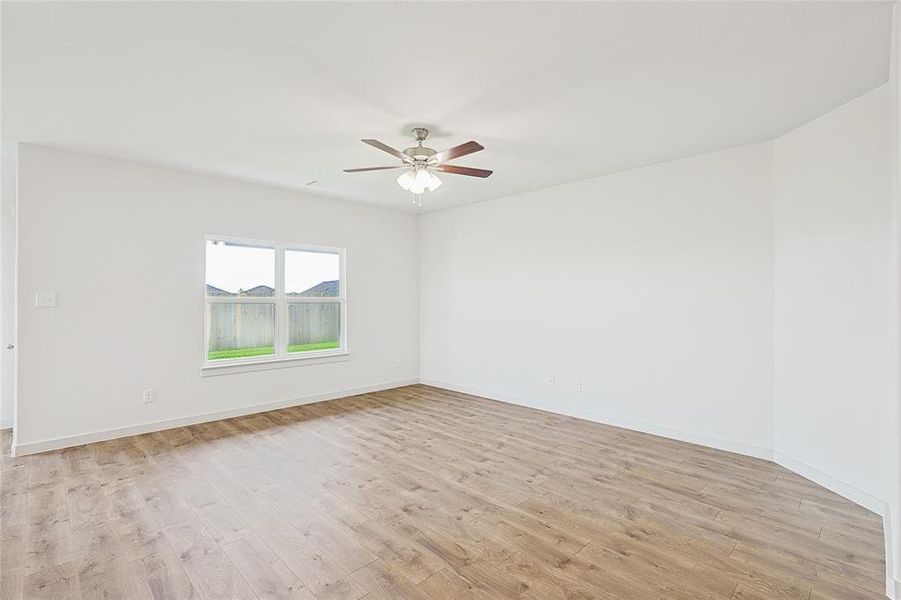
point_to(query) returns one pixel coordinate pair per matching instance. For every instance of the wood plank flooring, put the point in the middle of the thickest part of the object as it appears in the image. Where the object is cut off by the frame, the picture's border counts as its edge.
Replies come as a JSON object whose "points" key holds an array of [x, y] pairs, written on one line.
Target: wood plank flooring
{"points": [[423, 493]]}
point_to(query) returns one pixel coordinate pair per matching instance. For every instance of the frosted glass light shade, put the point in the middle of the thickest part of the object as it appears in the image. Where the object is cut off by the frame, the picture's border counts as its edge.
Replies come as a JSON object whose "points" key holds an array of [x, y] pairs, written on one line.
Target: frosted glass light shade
{"points": [[406, 180], [418, 181]]}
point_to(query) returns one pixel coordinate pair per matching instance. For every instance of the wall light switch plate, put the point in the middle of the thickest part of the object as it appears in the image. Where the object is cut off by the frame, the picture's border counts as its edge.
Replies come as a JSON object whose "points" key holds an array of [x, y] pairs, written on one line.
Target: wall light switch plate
{"points": [[45, 300]]}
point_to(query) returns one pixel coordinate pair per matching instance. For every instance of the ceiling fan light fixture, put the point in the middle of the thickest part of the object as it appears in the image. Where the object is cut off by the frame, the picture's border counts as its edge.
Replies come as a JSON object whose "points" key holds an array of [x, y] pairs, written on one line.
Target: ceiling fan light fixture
{"points": [[418, 180], [421, 181], [406, 179]]}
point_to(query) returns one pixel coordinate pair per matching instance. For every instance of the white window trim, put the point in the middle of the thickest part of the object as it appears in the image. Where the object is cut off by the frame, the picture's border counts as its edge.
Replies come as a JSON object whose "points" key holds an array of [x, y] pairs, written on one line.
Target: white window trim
{"points": [[282, 358]]}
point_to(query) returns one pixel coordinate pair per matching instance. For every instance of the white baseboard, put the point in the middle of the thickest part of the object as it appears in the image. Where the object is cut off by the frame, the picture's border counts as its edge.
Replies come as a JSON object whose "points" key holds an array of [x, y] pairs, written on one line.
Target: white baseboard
{"points": [[148, 427], [880, 507], [841, 488], [589, 415], [857, 496]]}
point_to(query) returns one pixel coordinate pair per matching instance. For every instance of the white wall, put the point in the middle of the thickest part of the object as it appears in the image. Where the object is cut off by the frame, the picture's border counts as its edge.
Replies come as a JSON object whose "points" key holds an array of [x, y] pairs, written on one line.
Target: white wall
{"points": [[895, 83], [652, 287], [7, 282], [834, 314], [122, 245]]}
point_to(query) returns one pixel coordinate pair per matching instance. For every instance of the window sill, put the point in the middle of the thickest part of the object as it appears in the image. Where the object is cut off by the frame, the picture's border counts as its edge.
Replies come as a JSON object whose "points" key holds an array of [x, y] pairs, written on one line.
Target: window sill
{"points": [[212, 369]]}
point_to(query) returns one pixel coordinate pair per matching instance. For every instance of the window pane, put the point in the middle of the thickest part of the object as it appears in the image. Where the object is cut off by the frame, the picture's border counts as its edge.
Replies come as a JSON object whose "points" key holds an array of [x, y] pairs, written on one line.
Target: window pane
{"points": [[311, 274], [236, 270], [240, 330], [314, 326]]}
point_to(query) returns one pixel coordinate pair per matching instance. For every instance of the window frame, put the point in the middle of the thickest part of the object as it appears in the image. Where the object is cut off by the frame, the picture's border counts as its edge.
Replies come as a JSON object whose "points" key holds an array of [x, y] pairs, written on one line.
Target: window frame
{"points": [[280, 300]]}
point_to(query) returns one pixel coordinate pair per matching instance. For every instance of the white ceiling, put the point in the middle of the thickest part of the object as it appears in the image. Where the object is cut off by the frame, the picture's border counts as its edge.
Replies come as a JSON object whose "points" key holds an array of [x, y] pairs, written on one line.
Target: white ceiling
{"points": [[282, 92]]}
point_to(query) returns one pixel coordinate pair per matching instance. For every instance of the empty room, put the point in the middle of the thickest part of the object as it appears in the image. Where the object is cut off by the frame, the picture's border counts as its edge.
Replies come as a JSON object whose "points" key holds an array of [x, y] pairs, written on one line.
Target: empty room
{"points": [[449, 300]]}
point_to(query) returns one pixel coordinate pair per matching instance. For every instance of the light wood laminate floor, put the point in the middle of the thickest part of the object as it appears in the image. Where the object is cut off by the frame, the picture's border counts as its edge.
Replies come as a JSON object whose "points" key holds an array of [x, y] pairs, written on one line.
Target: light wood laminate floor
{"points": [[423, 493]]}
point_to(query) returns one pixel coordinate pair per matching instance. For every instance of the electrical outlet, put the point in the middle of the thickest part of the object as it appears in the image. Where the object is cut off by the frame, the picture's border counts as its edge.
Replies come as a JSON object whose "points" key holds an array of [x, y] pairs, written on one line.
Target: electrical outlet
{"points": [[578, 386], [148, 396], [396, 363], [552, 381]]}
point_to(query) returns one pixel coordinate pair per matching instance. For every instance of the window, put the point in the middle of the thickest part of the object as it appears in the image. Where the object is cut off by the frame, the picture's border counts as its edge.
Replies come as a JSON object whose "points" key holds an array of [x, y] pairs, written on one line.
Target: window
{"points": [[273, 300]]}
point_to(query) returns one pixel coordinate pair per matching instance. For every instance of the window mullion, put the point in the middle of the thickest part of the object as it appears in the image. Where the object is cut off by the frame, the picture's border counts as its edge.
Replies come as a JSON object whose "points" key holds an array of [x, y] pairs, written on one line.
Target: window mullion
{"points": [[281, 306], [342, 298]]}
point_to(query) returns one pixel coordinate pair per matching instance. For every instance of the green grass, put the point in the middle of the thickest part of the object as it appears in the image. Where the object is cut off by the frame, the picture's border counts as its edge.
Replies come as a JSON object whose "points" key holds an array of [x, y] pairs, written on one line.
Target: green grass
{"points": [[266, 350]]}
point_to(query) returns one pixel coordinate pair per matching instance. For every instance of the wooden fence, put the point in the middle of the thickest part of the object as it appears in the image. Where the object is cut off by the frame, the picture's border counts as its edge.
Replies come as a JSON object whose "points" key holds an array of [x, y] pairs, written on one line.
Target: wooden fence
{"points": [[253, 325]]}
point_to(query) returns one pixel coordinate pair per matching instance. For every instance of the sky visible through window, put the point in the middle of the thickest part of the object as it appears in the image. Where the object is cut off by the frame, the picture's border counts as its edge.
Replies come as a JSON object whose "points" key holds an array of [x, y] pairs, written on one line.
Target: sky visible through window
{"points": [[233, 268]]}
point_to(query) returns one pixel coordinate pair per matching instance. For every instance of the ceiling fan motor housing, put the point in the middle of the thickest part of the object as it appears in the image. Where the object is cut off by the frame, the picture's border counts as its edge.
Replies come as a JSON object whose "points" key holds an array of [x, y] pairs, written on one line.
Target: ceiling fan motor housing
{"points": [[420, 152]]}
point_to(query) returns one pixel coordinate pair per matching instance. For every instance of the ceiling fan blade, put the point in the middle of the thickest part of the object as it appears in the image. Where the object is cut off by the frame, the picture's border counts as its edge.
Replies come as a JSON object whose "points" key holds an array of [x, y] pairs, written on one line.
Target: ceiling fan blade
{"points": [[388, 149], [463, 170], [375, 169], [458, 151]]}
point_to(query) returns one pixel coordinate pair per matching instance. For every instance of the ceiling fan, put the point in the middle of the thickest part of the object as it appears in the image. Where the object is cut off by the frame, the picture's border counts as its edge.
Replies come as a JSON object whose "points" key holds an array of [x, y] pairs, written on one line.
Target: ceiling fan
{"points": [[419, 162]]}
